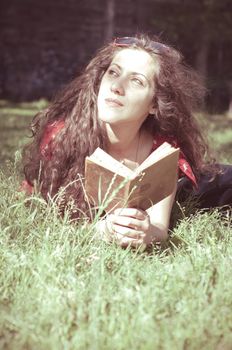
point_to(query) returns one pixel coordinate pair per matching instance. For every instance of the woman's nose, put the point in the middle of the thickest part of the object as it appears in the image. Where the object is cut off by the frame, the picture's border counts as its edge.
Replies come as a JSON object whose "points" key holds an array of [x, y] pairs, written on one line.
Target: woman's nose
{"points": [[117, 87]]}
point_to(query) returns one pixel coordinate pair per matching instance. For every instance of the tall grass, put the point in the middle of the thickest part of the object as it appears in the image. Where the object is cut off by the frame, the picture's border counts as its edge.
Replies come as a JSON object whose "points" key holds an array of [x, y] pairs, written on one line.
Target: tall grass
{"points": [[60, 288]]}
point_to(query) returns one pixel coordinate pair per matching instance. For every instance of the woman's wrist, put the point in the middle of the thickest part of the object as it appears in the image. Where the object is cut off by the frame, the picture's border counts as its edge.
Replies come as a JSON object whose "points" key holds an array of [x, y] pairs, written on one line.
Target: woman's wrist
{"points": [[157, 234]]}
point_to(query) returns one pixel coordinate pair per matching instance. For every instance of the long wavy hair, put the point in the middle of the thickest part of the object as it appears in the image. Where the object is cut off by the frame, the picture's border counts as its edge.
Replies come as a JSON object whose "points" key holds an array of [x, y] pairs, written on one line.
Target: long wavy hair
{"points": [[178, 92]]}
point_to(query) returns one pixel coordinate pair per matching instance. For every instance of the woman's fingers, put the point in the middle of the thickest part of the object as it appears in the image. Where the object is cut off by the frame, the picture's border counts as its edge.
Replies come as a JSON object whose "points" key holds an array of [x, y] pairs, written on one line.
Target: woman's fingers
{"points": [[126, 221], [131, 212], [135, 219], [127, 231], [128, 226], [124, 236], [125, 241]]}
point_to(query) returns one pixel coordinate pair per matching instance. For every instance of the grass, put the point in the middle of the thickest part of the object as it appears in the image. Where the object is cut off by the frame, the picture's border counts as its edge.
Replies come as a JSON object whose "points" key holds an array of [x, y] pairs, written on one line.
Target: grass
{"points": [[14, 122], [62, 289]]}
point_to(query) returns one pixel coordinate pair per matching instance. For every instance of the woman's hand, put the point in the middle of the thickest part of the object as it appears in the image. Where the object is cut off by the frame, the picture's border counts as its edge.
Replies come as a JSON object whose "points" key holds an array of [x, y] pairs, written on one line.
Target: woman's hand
{"points": [[130, 227], [135, 227]]}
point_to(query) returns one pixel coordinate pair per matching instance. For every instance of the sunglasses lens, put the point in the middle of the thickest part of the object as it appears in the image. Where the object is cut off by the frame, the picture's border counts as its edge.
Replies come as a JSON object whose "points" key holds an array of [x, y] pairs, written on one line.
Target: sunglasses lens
{"points": [[127, 41]]}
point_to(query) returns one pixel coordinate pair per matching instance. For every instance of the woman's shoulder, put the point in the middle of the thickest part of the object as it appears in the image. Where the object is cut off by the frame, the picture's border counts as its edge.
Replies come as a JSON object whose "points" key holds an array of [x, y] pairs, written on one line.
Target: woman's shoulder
{"points": [[159, 139], [51, 131]]}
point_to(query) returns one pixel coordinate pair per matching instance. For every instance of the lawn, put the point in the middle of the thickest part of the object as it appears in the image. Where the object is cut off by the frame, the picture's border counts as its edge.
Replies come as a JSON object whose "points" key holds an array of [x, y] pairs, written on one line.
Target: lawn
{"points": [[62, 289]]}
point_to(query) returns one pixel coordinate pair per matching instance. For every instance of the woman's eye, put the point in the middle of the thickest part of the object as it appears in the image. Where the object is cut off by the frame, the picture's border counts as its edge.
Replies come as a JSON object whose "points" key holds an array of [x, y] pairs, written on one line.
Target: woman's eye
{"points": [[138, 81], [112, 72]]}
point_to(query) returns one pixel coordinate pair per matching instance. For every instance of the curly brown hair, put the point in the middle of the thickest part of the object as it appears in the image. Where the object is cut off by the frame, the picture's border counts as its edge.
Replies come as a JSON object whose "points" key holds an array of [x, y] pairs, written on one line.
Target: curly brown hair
{"points": [[179, 91]]}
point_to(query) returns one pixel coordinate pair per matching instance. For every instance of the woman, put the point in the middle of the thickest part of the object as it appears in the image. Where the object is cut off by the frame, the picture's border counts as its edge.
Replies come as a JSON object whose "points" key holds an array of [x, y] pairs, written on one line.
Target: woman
{"points": [[134, 94]]}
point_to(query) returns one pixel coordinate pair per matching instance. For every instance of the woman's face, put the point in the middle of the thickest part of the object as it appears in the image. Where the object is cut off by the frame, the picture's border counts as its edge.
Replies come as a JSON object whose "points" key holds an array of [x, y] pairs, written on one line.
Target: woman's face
{"points": [[127, 88]]}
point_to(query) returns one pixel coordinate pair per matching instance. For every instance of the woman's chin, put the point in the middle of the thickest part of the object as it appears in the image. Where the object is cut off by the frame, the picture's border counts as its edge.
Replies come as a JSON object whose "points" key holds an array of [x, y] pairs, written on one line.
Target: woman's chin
{"points": [[110, 119]]}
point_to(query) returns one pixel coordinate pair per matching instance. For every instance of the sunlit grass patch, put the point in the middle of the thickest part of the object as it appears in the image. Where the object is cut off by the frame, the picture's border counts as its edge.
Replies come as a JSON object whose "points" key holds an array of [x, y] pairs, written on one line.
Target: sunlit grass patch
{"points": [[22, 108], [14, 126], [61, 288]]}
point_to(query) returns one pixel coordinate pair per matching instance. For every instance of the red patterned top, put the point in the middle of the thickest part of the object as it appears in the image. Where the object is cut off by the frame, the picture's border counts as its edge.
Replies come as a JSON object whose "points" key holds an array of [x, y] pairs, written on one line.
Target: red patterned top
{"points": [[45, 148], [54, 128], [50, 133]]}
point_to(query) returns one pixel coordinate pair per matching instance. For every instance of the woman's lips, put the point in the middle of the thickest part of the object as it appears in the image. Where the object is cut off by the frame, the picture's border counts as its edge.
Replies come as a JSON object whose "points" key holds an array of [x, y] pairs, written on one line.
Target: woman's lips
{"points": [[112, 102]]}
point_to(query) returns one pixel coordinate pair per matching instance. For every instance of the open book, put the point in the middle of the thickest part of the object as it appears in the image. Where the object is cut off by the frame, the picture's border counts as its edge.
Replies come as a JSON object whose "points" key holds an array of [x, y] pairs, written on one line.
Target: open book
{"points": [[112, 184]]}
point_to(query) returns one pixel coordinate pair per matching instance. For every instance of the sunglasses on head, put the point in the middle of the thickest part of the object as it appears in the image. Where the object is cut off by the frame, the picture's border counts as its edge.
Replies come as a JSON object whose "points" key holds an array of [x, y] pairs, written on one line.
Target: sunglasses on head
{"points": [[129, 40]]}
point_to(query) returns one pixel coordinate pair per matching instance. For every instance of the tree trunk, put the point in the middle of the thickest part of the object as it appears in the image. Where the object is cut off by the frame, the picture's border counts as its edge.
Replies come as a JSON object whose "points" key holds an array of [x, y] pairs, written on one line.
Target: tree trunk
{"points": [[229, 113], [110, 15], [202, 54]]}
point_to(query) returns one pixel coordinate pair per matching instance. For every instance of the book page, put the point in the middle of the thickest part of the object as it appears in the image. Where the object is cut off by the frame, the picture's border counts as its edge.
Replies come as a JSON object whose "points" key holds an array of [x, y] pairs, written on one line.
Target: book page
{"points": [[103, 159], [156, 182], [161, 152]]}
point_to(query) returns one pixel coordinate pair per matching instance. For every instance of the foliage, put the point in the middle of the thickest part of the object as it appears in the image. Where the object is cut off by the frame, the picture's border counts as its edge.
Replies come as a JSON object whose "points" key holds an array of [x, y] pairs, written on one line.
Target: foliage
{"points": [[45, 44], [202, 30]]}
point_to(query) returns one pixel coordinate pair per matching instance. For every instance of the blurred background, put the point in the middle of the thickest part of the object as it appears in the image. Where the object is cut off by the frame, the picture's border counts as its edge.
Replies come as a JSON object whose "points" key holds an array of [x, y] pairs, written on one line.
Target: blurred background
{"points": [[45, 43]]}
